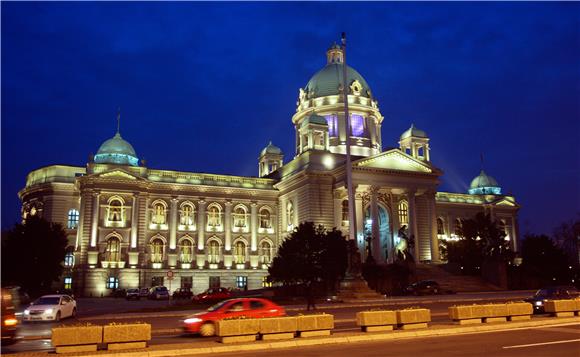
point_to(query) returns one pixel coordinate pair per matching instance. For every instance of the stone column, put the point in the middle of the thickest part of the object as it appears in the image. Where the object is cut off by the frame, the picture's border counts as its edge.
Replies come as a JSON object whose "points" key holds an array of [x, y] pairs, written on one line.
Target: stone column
{"points": [[433, 222], [284, 218], [228, 226], [337, 211], [80, 227], [201, 225], [95, 222], [413, 223], [254, 226], [310, 139], [395, 226], [134, 219], [376, 242], [173, 224], [359, 220]]}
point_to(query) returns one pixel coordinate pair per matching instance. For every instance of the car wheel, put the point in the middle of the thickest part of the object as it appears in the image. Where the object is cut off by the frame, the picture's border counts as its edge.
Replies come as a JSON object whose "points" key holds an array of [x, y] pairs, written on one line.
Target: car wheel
{"points": [[74, 312], [57, 317], [207, 329]]}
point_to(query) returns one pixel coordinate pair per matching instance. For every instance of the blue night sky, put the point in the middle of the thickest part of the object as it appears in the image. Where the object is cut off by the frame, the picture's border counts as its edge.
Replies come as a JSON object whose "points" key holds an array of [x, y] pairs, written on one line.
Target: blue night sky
{"points": [[204, 86]]}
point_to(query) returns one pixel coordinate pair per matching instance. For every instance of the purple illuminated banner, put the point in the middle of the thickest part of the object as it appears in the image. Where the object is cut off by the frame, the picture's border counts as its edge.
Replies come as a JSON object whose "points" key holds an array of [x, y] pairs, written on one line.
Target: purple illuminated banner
{"points": [[332, 121], [357, 124]]}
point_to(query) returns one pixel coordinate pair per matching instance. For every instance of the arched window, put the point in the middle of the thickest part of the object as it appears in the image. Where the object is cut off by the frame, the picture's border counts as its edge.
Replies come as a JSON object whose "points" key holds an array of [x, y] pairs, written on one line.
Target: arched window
{"points": [[266, 252], [265, 221], [187, 214], [403, 213], [214, 216], [240, 252], [157, 247], [290, 216], [440, 229], [115, 210], [240, 217], [113, 250], [69, 258], [185, 251], [458, 227], [73, 219], [344, 212], [159, 212], [213, 252]]}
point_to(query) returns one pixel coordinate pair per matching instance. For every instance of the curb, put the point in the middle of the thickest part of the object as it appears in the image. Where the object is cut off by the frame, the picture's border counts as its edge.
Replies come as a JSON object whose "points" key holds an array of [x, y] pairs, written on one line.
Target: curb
{"points": [[335, 339]]}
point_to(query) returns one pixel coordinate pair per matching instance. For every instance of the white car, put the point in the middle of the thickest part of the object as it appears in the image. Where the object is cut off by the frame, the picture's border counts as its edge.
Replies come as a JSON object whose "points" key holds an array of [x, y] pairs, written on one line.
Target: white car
{"points": [[50, 308]]}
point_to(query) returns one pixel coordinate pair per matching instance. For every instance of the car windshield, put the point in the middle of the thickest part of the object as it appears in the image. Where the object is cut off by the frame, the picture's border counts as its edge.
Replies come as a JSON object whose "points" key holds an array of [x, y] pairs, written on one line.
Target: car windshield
{"points": [[47, 301], [544, 293], [218, 306]]}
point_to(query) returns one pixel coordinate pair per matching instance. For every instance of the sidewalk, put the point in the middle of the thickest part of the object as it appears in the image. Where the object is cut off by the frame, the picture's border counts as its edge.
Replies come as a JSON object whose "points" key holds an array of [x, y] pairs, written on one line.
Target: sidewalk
{"points": [[435, 330]]}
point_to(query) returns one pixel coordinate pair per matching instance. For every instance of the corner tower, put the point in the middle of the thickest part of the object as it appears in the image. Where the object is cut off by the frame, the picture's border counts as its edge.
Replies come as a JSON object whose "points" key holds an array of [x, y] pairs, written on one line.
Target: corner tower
{"points": [[271, 159], [323, 96]]}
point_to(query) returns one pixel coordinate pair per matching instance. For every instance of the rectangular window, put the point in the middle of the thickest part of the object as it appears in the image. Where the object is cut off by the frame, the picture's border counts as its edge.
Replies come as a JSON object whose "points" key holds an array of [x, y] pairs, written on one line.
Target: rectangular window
{"points": [[332, 121], [112, 282], [214, 282], [186, 282], [266, 283], [357, 125], [68, 283], [157, 281], [241, 282]]}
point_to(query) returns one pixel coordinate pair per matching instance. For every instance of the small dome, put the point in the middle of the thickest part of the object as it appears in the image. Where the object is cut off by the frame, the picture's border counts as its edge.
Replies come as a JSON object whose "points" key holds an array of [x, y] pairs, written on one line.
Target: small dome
{"points": [[271, 149], [484, 185], [314, 119], [117, 151], [413, 132]]}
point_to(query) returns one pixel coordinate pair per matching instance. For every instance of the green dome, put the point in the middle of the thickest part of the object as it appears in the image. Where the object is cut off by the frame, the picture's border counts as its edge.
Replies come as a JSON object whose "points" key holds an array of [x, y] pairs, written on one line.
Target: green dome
{"points": [[484, 184], [271, 149], [117, 151], [329, 79], [414, 132]]}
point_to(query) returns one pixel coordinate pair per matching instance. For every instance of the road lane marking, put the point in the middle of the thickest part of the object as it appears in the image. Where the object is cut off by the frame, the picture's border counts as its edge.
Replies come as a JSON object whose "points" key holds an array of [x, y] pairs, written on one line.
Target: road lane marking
{"points": [[542, 344]]}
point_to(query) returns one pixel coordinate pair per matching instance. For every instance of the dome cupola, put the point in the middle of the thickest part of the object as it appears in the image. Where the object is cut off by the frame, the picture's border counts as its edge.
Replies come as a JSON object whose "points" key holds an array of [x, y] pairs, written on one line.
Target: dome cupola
{"points": [[117, 151], [271, 159], [484, 185], [415, 142]]}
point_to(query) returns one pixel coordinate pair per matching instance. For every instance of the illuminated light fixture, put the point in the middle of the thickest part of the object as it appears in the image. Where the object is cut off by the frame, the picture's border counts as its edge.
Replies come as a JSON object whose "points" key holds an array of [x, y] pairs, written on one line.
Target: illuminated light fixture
{"points": [[328, 161], [369, 221], [10, 321]]}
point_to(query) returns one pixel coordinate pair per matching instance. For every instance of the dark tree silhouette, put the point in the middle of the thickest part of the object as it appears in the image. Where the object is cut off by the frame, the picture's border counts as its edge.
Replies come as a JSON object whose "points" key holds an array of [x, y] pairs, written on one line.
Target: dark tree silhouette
{"points": [[567, 237], [33, 254], [543, 263], [310, 255]]}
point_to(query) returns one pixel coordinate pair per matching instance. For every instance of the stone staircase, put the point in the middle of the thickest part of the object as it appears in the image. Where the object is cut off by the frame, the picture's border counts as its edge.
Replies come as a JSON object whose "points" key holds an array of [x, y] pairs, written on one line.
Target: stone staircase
{"points": [[448, 281], [356, 290]]}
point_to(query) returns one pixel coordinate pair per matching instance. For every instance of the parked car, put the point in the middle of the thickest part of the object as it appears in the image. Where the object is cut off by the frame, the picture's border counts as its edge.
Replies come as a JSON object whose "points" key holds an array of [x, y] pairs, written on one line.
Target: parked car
{"points": [[182, 293], [203, 323], [119, 293], [50, 308], [551, 293], [9, 320], [423, 287], [213, 295], [132, 294], [144, 292], [158, 293]]}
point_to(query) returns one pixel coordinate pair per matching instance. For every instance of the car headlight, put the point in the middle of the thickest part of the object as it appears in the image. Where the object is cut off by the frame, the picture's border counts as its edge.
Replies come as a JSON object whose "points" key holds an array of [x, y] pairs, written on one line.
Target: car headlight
{"points": [[539, 303], [48, 311], [26, 312], [192, 320]]}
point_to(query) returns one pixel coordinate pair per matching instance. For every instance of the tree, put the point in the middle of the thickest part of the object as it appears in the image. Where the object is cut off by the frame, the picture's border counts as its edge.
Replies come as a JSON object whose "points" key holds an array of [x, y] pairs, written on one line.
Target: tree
{"points": [[310, 255], [567, 237], [481, 239], [543, 262], [32, 255]]}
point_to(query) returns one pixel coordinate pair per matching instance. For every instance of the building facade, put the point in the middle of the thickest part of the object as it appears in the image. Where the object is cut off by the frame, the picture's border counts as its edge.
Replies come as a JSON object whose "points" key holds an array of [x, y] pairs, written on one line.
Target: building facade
{"points": [[129, 225]]}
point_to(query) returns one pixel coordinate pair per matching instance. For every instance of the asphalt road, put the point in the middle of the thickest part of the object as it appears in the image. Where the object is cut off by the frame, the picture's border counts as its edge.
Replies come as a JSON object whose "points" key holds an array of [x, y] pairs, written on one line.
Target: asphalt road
{"points": [[561, 341], [167, 325]]}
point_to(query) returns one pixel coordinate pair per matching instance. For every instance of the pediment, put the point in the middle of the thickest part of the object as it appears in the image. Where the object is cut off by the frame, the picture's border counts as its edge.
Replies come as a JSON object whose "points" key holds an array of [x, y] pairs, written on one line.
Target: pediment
{"points": [[505, 202], [118, 174], [394, 160]]}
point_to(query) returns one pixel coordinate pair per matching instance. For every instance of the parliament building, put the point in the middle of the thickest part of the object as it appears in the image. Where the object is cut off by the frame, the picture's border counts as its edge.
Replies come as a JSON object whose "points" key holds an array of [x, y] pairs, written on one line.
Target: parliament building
{"points": [[129, 225]]}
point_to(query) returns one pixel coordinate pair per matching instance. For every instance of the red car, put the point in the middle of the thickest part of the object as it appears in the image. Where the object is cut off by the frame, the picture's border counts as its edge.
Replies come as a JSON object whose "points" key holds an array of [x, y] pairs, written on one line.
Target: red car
{"points": [[213, 295], [204, 322]]}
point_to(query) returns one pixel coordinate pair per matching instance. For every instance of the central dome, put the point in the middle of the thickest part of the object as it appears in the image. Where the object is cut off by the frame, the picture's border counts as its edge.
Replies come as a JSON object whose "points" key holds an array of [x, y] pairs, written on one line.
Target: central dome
{"points": [[329, 80], [117, 151]]}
